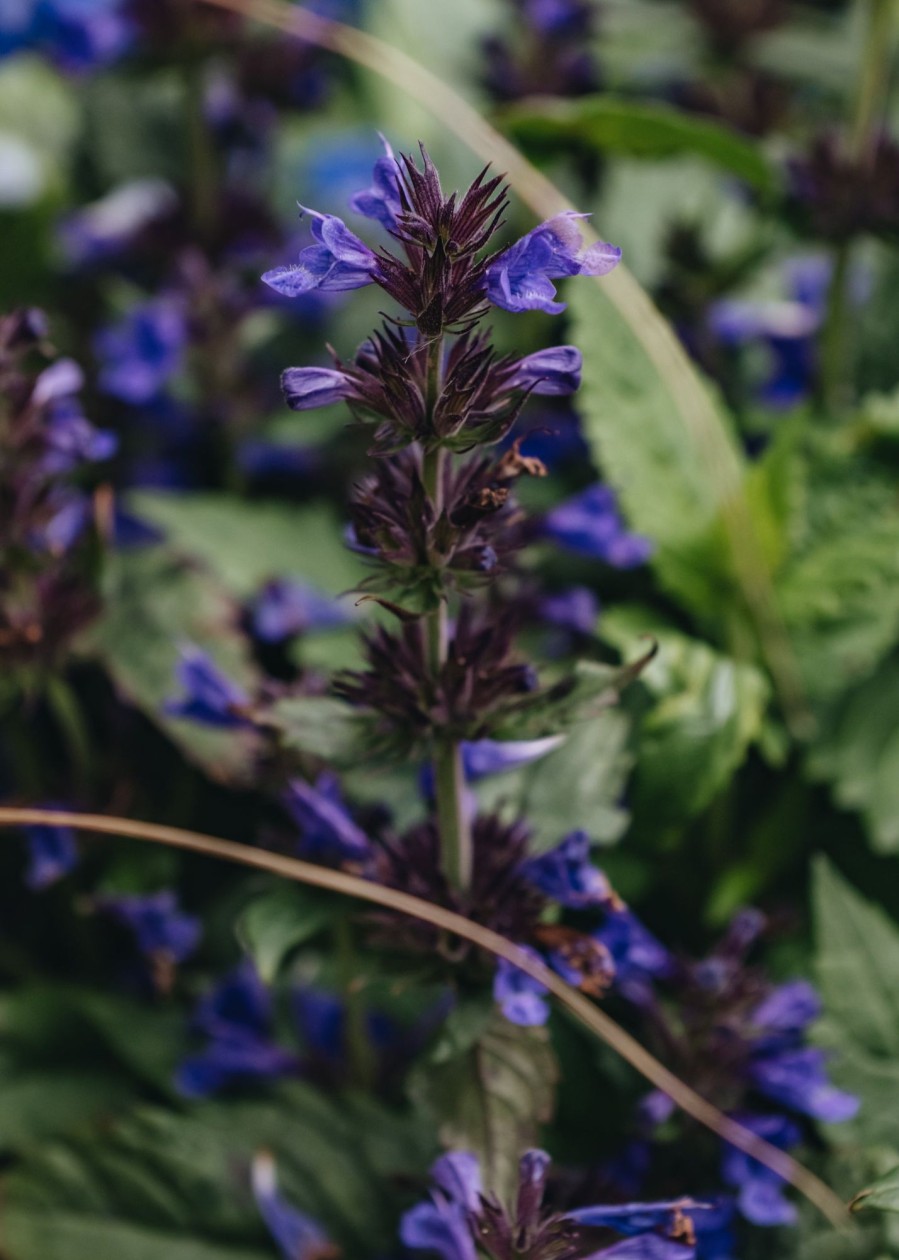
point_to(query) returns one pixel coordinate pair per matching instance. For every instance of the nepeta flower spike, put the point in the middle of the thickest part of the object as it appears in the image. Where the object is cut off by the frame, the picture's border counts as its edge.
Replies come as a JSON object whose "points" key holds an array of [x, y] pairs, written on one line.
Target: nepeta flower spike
{"points": [[432, 386]]}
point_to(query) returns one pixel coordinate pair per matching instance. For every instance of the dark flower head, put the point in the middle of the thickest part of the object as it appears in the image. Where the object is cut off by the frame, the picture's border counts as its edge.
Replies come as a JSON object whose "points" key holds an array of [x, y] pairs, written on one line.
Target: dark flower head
{"points": [[729, 24], [460, 1221], [836, 197], [481, 681], [423, 553]]}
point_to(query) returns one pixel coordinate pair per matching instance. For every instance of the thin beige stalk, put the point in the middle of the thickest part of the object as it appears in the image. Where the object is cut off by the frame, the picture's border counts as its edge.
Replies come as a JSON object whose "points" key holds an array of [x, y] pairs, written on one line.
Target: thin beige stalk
{"points": [[585, 1011]]}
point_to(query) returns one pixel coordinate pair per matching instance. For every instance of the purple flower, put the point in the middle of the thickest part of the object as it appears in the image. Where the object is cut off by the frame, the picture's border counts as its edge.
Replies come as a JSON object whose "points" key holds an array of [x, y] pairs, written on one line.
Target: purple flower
{"points": [[52, 853], [760, 1197], [639, 958], [278, 465], [140, 353], [160, 928], [797, 1079], [441, 1224], [339, 261], [76, 34], [589, 525], [237, 1020], [209, 696], [298, 1236], [631, 1218], [788, 1009], [57, 382], [307, 388], [567, 875], [575, 610], [555, 371], [329, 832], [73, 440], [556, 18], [484, 757], [521, 999], [284, 608], [520, 279], [105, 228], [459, 1222], [382, 200], [69, 516]]}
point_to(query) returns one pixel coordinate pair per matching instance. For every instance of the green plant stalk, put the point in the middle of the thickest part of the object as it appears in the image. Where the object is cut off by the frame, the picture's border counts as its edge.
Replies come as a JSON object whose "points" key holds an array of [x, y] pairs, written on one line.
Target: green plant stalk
{"points": [[203, 177], [868, 110], [358, 1045], [449, 775], [595, 1020]]}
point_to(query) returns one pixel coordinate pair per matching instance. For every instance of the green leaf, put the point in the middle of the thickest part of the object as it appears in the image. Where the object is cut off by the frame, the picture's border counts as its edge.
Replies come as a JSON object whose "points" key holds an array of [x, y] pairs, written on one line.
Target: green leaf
{"points": [[492, 1099], [322, 727], [245, 543], [273, 925], [883, 1195], [639, 129], [44, 1103], [154, 603], [577, 786], [839, 589], [159, 1184], [586, 691], [707, 711], [857, 965], [656, 465], [858, 754], [857, 962]]}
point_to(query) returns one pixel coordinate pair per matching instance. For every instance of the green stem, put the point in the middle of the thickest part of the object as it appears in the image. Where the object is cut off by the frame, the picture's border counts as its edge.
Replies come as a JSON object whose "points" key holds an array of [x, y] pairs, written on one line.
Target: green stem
{"points": [[835, 351], [358, 1046], [449, 776], [202, 176], [861, 147]]}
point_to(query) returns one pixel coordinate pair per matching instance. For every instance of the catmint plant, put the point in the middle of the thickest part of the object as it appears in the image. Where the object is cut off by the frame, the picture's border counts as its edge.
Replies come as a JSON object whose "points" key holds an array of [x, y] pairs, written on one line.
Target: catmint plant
{"points": [[436, 517]]}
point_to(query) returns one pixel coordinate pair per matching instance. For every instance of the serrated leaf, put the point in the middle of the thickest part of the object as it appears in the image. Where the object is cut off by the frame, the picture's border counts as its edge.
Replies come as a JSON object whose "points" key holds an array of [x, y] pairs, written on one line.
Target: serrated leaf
{"points": [[587, 690], [492, 1099], [154, 603], [706, 712], [857, 962], [322, 727], [654, 463], [40, 1104], [882, 1196], [273, 925], [639, 129], [579, 786], [160, 1184], [858, 755], [245, 543]]}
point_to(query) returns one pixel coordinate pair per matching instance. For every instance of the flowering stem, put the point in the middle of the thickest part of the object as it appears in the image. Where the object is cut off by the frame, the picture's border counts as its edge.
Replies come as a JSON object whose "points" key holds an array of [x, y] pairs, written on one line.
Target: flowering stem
{"points": [[449, 775]]}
